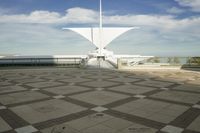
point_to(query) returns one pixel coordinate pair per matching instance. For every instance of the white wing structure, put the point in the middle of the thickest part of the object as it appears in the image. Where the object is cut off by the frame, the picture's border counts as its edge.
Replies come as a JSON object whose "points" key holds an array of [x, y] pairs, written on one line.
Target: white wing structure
{"points": [[101, 36], [106, 37]]}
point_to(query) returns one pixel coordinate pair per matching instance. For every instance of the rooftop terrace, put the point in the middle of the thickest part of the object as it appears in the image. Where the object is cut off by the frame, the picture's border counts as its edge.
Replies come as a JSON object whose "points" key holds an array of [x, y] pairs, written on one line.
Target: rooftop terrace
{"points": [[73, 100]]}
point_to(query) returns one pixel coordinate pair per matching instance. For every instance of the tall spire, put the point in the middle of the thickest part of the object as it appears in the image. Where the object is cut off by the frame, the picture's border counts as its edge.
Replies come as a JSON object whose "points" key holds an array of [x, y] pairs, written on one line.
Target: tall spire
{"points": [[100, 15], [100, 26]]}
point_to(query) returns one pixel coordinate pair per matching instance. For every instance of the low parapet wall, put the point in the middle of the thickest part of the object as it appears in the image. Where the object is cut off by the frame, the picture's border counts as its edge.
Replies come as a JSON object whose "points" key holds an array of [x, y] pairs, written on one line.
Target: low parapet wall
{"points": [[72, 62], [161, 63]]}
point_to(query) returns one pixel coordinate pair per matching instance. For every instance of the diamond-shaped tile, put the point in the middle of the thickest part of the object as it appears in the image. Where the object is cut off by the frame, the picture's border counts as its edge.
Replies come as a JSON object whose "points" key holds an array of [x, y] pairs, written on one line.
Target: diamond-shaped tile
{"points": [[139, 96], [194, 126], [154, 83], [62, 90], [178, 96], [46, 110], [132, 89], [99, 109], [21, 97], [196, 106], [172, 129], [99, 89], [36, 89], [99, 97], [13, 88], [3, 107], [26, 129], [59, 97]]}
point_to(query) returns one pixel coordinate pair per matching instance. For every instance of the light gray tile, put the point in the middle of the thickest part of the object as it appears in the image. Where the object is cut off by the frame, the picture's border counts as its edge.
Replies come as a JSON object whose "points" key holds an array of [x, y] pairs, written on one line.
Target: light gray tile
{"points": [[62, 128], [178, 96], [137, 128], [11, 89], [99, 109], [99, 89], [5, 83], [99, 97], [89, 121], [161, 118], [155, 83], [21, 97], [172, 129], [117, 123], [35, 89], [99, 129], [195, 125], [46, 110], [26, 129], [188, 87], [196, 106], [62, 90], [139, 96], [58, 96], [154, 110], [28, 80], [44, 84], [3, 107], [132, 89]]}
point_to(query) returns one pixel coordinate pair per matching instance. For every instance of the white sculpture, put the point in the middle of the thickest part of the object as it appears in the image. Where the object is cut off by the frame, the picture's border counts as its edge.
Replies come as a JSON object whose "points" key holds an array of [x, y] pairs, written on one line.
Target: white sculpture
{"points": [[101, 36]]}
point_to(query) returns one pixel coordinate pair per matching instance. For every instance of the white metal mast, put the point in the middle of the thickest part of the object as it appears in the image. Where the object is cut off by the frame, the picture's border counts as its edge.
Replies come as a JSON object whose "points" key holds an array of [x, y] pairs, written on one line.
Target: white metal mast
{"points": [[100, 26]]}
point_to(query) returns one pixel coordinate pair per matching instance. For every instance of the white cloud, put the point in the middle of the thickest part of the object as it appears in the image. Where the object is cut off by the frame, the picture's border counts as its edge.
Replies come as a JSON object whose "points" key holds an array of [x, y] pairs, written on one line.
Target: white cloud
{"points": [[175, 10], [73, 15], [193, 4], [86, 16], [80, 15]]}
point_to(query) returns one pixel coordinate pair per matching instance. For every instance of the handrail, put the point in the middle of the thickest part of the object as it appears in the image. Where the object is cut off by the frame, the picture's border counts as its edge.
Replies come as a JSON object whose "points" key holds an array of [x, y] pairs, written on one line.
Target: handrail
{"points": [[76, 61]]}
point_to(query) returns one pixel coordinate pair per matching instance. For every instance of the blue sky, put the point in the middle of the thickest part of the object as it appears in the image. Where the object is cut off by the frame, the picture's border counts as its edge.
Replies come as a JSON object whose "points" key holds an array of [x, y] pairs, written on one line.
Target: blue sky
{"points": [[32, 27]]}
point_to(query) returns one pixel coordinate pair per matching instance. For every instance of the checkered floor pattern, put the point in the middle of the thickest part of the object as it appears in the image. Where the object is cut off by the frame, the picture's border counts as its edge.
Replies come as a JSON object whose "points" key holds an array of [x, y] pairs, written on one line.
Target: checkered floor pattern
{"points": [[71, 100]]}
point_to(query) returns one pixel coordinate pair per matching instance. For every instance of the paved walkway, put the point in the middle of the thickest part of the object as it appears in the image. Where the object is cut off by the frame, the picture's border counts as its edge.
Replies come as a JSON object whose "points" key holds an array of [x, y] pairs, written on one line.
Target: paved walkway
{"points": [[64, 100]]}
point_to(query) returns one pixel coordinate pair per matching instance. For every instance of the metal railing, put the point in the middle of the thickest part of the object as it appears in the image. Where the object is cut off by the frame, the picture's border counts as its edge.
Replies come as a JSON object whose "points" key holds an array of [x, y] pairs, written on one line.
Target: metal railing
{"points": [[161, 61], [75, 62]]}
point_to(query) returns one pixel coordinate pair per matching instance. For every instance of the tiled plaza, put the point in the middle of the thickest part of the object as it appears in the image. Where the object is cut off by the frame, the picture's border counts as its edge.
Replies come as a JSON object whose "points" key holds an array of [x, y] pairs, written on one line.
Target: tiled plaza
{"points": [[72, 100]]}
